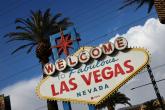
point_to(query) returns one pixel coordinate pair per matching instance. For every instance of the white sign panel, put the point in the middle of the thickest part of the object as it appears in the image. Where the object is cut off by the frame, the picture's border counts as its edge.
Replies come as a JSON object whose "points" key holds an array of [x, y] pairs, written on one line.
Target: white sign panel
{"points": [[94, 81]]}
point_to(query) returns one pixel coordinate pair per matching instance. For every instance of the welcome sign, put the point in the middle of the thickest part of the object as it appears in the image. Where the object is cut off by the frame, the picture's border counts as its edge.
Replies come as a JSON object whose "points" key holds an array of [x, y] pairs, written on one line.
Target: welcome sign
{"points": [[92, 73]]}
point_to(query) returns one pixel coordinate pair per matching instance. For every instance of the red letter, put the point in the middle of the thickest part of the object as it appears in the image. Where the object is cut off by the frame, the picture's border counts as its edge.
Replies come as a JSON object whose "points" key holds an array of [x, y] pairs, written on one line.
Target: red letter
{"points": [[108, 48], [131, 68], [118, 70], [107, 74], [71, 62], [54, 93], [97, 76], [60, 64], [63, 87], [49, 68], [87, 81], [83, 56], [95, 52], [74, 85], [120, 43]]}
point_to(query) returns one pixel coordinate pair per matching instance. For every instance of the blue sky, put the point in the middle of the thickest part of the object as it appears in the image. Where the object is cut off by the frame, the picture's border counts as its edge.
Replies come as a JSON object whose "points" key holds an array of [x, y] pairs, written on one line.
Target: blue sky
{"points": [[92, 19]]}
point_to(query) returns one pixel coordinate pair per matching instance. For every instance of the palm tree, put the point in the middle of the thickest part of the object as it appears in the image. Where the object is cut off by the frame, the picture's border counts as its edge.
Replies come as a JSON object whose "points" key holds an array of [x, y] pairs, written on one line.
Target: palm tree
{"points": [[36, 31], [116, 98], [159, 4], [152, 105], [140, 3]]}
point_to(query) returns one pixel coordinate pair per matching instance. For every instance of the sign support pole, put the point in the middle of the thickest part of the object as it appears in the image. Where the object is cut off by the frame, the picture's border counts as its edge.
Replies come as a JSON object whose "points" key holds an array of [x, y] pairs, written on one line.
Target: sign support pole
{"points": [[155, 87], [91, 107], [66, 106]]}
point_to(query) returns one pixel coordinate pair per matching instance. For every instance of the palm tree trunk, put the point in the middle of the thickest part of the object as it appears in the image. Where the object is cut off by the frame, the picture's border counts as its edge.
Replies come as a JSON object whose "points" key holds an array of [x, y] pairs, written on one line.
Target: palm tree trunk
{"points": [[110, 107], [43, 53], [51, 105]]}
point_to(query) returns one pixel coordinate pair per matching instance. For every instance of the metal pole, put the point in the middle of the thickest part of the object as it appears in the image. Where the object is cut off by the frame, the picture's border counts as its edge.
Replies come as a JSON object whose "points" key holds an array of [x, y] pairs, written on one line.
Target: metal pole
{"points": [[91, 107], [155, 87], [66, 106]]}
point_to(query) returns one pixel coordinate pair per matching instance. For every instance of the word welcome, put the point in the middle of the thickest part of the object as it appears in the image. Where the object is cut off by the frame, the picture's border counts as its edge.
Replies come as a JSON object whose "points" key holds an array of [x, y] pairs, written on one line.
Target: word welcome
{"points": [[84, 56]]}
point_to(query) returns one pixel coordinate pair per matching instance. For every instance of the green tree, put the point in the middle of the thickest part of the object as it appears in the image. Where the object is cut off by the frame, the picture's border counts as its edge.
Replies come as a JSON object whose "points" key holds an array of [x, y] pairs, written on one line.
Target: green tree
{"points": [[139, 3], [36, 30], [113, 100], [152, 105]]}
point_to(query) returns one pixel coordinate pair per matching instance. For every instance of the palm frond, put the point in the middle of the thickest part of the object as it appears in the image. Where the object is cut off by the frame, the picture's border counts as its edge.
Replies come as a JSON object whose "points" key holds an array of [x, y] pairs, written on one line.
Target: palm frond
{"points": [[21, 28], [19, 38], [15, 34], [46, 16], [64, 23], [150, 5], [22, 47], [37, 28], [24, 22], [54, 18], [127, 3], [30, 48], [116, 98], [141, 4]]}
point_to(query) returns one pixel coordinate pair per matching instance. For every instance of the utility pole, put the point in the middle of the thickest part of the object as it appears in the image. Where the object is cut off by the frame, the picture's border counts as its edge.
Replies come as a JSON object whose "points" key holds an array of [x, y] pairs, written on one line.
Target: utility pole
{"points": [[155, 87]]}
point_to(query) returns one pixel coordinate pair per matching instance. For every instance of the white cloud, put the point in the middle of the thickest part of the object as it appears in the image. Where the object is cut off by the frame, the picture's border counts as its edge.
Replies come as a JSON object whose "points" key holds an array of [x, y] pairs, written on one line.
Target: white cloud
{"points": [[151, 36], [22, 95]]}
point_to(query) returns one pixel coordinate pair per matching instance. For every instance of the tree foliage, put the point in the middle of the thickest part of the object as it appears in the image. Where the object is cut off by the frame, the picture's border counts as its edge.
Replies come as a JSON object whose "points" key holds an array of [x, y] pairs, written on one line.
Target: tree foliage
{"points": [[37, 28], [139, 3]]}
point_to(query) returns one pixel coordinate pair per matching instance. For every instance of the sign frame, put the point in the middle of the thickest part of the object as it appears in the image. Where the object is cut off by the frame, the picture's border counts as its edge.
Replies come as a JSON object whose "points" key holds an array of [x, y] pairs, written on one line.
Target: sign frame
{"points": [[108, 94]]}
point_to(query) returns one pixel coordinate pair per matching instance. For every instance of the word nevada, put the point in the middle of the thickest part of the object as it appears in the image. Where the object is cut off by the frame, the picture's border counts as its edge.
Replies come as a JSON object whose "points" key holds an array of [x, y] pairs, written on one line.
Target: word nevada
{"points": [[84, 56]]}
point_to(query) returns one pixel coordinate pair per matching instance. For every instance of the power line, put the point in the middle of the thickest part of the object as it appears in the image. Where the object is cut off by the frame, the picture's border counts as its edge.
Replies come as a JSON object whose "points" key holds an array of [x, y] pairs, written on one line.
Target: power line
{"points": [[105, 15], [145, 84], [19, 72], [96, 11], [86, 11], [6, 58], [156, 67], [94, 18], [105, 35], [8, 4], [12, 23], [97, 38], [6, 25], [119, 28], [13, 8], [153, 68], [104, 19], [88, 23], [76, 16]]}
